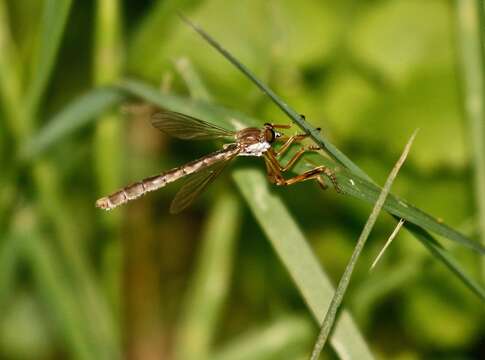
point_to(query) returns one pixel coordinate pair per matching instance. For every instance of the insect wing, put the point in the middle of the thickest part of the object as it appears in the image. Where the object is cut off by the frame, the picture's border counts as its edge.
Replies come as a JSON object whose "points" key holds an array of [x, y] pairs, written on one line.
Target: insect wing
{"points": [[187, 127], [195, 185]]}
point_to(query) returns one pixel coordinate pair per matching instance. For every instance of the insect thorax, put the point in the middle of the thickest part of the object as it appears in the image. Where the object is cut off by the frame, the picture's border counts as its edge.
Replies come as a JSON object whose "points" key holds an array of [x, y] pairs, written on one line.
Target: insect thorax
{"points": [[256, 149]]}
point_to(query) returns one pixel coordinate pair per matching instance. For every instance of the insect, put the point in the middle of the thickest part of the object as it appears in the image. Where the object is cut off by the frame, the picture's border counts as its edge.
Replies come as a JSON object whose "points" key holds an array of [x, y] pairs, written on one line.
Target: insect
{"points": [[246, 142]]}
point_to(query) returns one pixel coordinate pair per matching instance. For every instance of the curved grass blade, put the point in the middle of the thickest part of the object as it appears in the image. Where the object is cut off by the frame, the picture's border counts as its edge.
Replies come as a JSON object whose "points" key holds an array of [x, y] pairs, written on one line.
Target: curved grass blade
{"points": [[78, 113], [331, 314], [367, 191], [217, 115]]}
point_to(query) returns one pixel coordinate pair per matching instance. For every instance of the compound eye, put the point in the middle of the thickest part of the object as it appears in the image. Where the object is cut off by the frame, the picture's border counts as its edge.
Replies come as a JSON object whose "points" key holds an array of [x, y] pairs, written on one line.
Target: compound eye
{"points": [[269, 135]]}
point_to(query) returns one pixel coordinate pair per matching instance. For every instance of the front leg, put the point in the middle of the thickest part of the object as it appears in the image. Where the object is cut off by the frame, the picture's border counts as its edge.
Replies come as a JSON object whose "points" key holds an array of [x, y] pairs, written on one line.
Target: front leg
{"points": [[289, 141], [292, 139], [273, 155]]}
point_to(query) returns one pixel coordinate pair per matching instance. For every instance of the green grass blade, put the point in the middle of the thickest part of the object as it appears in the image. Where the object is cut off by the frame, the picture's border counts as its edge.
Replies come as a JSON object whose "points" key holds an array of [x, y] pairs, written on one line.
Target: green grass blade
{"points": [[53, 23], [293, 250], [209, 287], [367, 191], [10, 77], [231, 119], [107, 69], [329, 320], [75, 115], [471, 35], [280, 340]]}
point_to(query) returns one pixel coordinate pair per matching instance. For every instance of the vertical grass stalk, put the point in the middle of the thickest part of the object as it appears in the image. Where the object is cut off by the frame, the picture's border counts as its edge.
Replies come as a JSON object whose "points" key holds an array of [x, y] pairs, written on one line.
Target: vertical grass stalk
{"points": [[329, 320], [209, 287], [108, 59], [471, 37]]}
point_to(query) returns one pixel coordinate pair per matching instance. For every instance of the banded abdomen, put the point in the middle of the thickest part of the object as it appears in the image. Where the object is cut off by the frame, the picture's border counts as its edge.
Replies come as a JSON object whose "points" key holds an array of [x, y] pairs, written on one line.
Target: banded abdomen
{"points": [[156, 182]]}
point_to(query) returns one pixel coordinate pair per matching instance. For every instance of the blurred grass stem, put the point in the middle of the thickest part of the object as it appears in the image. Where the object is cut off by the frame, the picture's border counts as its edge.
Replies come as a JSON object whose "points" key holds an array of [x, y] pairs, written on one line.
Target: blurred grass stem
{"points": [[208, 290], [108, 159], [471, 37]]}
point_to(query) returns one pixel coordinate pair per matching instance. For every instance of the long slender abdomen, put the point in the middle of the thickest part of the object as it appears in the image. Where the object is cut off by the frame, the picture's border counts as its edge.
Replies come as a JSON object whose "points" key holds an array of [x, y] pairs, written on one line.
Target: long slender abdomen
{"points": [[152, 183]]}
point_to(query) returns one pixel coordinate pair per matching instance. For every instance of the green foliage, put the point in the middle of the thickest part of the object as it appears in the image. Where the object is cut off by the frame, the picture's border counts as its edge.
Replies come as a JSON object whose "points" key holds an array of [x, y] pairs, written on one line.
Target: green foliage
{"points": [[74, 281]]}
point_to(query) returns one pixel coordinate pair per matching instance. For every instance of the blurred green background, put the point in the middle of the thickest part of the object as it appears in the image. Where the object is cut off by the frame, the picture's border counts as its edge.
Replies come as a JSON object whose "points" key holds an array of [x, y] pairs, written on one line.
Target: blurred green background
{"points": [[139, 283]]}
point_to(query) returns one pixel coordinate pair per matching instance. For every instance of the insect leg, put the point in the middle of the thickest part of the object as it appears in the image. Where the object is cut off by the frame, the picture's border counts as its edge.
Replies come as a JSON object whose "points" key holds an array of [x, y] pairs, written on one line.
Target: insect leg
{"points": [[275, 176], [315, 174], [273, 156], [297, 156], [279, 126], [288, 142]]}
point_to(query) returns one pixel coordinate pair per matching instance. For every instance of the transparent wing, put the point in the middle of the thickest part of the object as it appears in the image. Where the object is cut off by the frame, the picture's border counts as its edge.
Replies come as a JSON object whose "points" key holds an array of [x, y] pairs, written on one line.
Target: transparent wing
{"points": [[187, 127], [195, 185]]}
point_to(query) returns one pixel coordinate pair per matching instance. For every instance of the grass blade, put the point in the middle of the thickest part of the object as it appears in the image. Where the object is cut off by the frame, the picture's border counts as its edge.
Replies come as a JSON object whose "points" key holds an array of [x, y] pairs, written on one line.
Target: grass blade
{"points": [[292, 248], [107, 69], [54, 20], [345, 279], [210, 285], [388, 242], [471, 36], [108, 60], [74, 116]]}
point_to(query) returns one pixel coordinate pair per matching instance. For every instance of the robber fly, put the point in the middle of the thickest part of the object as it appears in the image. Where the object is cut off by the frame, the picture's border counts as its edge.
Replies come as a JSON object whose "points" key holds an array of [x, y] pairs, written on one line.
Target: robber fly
{"points": [[246, 142]]}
